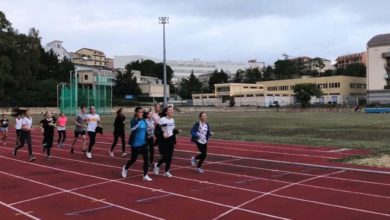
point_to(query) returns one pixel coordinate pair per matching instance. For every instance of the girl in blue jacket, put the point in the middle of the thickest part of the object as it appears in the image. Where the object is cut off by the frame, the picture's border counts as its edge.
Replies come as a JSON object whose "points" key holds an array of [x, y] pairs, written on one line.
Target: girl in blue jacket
{"points": [[137, 142], [200, 134]]}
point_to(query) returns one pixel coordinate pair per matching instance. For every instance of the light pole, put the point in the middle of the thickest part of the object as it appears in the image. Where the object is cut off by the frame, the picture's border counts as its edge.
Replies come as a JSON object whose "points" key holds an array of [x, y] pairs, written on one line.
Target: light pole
{"points": [[163, 21]]}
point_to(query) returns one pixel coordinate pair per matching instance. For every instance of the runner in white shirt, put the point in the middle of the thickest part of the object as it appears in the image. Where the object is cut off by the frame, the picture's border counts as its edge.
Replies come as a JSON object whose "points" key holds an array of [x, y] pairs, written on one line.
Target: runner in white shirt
{"points": [[18, 128], [93, 121], [25, 135], [168, 141]]}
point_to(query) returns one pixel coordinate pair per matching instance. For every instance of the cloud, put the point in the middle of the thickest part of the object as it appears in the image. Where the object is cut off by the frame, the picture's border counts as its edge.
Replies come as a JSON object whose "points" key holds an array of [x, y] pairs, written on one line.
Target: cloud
{"points": [[209, 30]]}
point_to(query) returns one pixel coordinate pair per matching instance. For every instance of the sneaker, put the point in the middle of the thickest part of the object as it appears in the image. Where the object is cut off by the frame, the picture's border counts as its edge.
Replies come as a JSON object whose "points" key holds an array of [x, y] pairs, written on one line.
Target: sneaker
{"points": [[43, 147], [147, 178], [168, 174], [156, 169], [71, 150], [111, 153], [14, 152], [89, 155], [124, 172], [124, 154], [48, 158], [31, 159], [199, 170], [193, 161]]}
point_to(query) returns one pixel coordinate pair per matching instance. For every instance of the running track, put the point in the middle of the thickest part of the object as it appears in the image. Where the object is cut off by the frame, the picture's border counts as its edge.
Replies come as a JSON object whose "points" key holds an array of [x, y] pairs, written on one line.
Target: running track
{"points": [[242, 180]]}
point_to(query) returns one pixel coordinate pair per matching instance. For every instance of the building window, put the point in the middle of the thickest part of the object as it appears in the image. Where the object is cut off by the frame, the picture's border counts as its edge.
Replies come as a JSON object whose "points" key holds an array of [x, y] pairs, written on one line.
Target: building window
{"points": [[223, 89], [85, 77]]}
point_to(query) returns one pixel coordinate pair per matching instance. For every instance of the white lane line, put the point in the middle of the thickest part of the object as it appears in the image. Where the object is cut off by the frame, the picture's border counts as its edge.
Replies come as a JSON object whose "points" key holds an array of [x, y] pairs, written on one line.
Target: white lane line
{"points": [[128, 184], [78, 194], [298, 183], [281, 162], [291, 147], [266, 179], [27, 214], [87, 210], [339, 150], [299, 199], [60, 192], [153, 197], [270, 192]]}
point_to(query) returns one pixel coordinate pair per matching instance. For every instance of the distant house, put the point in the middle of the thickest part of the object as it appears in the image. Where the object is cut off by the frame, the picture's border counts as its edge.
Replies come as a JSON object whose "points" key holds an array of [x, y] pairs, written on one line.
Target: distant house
{"points": [[58, 49]]}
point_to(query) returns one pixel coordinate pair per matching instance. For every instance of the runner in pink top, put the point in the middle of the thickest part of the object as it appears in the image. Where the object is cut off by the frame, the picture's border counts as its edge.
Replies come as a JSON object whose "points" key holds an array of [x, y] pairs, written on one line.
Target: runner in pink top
{"points": [[61, 128]]}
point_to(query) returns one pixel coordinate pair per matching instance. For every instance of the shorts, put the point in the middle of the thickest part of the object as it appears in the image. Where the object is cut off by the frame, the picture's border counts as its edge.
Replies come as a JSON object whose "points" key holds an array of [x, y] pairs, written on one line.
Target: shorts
{"points": [[18, 132], [3, 129], [78, 133], [60, 128]]}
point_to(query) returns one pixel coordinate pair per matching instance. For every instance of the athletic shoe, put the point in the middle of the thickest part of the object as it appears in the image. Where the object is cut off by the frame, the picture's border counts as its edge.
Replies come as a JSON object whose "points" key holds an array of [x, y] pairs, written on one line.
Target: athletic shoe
{"points": [[193, 161], [31, 159], [111, 153], [124, 172], [199, 170], [124, 154], [168, 174], [156, 169], [147, 178], [89, 155], [14, 152], [43, 147], [71, 150], [48, 158]]}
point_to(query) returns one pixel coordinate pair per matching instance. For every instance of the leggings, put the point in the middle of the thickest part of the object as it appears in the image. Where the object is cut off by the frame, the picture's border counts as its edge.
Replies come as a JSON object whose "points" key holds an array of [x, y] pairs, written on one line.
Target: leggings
{"points": [[203, 153], [25, 136], [61, 135], [48, 142], [151, 149], [134, 154], [92, 140], [118, 135], [167, 148]]}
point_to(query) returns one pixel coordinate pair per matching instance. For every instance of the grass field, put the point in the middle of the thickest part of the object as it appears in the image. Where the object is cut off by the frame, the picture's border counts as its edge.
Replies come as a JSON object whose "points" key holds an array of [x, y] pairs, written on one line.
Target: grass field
{"points": [[339, 129]]}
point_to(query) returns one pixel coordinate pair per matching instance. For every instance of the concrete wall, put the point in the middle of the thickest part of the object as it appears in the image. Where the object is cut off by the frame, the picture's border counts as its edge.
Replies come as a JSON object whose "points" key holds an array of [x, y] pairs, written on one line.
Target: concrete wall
{"points": [[376, 68]]}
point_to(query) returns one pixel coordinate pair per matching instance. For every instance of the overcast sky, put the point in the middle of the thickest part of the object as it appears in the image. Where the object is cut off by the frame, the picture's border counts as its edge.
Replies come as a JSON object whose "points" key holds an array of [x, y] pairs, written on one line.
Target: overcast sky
{"points": [[229, 30]]}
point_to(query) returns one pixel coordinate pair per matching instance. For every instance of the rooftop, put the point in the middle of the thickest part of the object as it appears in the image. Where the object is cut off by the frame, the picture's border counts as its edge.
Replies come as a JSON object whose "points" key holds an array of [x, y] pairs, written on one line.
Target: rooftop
{"points": [[379, 40]]}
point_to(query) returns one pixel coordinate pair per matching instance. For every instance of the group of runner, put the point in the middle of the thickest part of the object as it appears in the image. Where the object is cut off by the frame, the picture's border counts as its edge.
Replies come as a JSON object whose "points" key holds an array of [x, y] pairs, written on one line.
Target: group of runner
{"points": [[147, 130]]}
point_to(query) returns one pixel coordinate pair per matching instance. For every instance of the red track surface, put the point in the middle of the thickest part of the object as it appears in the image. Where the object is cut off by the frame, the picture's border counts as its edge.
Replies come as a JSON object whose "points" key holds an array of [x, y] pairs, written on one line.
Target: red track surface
{"points": [[243, 180]]}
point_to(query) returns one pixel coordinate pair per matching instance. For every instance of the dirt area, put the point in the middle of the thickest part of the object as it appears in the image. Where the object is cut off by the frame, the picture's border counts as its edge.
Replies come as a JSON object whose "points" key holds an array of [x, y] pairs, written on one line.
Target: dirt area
{"points": [[378, 161]]}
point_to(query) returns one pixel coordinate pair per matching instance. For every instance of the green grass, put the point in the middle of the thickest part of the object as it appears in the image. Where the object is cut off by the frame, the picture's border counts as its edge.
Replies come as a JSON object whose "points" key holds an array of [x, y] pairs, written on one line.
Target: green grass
{"points": [[339, 129]]}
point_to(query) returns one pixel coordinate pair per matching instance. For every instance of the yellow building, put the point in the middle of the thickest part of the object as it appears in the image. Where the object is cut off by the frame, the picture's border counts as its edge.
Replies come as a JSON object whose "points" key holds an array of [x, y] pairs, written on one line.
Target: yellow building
{"points": [[91, 57], [345, 90]]}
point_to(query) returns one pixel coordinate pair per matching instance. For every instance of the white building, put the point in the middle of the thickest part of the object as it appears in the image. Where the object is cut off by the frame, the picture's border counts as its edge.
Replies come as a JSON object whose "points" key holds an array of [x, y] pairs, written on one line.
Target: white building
{"points": [[183, 68], [58, 49], [378, 69]]}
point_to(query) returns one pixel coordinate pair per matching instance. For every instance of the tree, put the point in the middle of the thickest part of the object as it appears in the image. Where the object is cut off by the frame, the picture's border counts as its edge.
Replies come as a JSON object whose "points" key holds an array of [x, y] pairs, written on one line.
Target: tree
{"points": [[5, 25], [304, 92], [285, 69], [189, 86], [126, 84], [150, 68], [268, 73], [318, 63], [216, 78], [355, 69], [239, 77], [252, 75], [28, 75]]}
